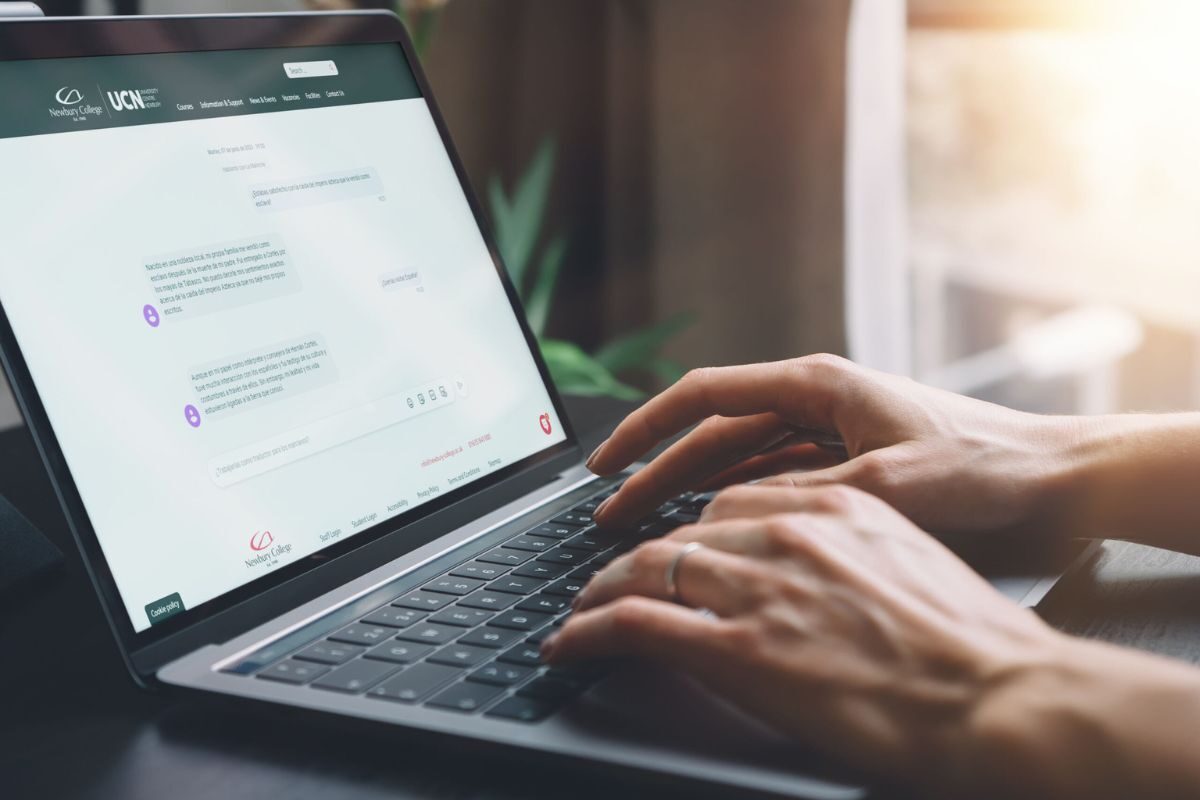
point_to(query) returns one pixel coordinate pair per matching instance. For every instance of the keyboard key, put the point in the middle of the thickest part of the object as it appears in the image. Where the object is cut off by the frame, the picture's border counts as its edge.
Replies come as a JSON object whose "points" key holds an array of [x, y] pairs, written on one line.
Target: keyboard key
{"points": [[540, 636], [520, 620], [561, 556], [554, 531], [430, 634], [492, 601], [494, 638], [514, 584], [425, 601], [588, 506], [685, 517], [414, 683], [393, 617], [454, 586], [466, 697], [604, 559], [522, 709], [460, 655], [553, 688], [363, 634], [400, 652], [505, 557], [460, 617], [356, 677], [576, 518], [500, 674], [567, 587], [534, 544], [586, 573], [479, 571], [544, 603], [525, 655], [329, 653], [536, 569], [589, 541], [291, 671]]}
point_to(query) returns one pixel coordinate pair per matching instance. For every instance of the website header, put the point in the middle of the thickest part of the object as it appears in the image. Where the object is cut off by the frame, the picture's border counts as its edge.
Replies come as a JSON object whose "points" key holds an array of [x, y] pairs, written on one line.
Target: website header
{"points": [[78, 94]]}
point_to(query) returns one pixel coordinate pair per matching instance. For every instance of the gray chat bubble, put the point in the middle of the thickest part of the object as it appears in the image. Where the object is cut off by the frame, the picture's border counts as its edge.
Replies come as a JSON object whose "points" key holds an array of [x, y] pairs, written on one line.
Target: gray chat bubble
{"points": [[247, 380], [216, 277]]}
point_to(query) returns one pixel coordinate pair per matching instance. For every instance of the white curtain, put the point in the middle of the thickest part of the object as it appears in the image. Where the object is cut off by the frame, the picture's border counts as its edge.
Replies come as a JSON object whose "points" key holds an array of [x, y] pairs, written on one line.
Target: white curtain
{"points": [[878, 294]]}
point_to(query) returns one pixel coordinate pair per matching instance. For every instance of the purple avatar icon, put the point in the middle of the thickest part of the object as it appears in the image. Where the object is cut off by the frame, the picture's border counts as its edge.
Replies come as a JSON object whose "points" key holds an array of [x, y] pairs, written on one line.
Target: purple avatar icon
{"points": [[192, 415], [151, 315]]}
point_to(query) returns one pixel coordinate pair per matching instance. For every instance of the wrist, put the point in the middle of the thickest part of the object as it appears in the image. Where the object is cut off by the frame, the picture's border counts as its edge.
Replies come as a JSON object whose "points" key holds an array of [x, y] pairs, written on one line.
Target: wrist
{"points": [[1084, 719], [1022, 724]]}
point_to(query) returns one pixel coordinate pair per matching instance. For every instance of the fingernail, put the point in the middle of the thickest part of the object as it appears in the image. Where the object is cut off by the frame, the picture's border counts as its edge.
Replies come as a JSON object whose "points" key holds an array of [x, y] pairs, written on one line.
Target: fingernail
{"points": [[577, 602], [595, 453], [603, 505], [547, 649]]}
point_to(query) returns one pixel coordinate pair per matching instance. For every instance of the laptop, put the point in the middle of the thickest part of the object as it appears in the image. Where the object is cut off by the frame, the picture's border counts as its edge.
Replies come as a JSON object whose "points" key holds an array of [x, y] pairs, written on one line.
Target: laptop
{"points": [[292, 409]]}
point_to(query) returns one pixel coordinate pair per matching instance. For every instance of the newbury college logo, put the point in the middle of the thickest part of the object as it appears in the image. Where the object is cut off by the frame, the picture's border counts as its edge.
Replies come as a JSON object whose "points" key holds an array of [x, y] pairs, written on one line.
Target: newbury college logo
{"points": [[68, 96]]}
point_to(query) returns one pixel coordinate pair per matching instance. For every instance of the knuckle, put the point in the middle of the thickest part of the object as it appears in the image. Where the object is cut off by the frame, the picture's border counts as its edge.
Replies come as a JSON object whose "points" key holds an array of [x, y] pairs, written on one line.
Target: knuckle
{"points": [[824, 363], [835, 499], [628, 614], [697, 377], [874, 471], [648, 554], [728, 499], [784, 533], [745, 637]]}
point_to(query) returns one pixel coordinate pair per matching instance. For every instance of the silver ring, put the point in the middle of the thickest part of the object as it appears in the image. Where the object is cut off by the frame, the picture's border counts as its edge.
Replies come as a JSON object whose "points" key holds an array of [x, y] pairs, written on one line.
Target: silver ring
{"points": [[673, 568]]}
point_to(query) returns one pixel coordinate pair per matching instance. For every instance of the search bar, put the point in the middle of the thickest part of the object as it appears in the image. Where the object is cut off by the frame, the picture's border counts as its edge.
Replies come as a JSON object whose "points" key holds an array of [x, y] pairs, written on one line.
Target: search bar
{"points": [[329, 432], [310, 69]]}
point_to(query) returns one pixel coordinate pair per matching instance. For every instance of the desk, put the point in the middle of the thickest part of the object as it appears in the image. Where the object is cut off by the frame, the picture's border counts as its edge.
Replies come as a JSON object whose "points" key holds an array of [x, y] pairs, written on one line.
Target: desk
{"points": [[73, 724]]}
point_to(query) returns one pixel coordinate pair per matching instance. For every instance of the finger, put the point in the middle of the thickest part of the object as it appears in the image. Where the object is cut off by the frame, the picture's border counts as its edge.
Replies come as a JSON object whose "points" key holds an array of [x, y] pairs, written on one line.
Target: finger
{"points": [[848, 473], [794, 458], [744, 503], [802, 390], [704, 578], [714, 445], [642, 628]]}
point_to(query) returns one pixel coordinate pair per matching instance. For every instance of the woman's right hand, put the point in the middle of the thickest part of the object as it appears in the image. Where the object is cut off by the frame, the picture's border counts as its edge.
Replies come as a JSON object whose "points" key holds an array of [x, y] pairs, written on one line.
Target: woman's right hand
{"points": [[949, 463]]}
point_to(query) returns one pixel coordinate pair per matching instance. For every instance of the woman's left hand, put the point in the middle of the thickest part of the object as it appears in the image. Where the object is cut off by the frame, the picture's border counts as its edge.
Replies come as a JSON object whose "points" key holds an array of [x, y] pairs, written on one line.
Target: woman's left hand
{"points": [[834, 619]]}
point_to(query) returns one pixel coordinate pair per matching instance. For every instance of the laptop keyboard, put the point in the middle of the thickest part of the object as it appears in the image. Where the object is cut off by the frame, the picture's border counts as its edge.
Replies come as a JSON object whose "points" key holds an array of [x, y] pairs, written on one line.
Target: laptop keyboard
{"points": [[468, 641]]}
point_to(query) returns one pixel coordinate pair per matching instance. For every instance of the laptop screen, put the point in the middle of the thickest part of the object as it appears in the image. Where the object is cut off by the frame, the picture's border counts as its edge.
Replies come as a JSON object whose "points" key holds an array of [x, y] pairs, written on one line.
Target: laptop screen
{"points": [[256, 304]]}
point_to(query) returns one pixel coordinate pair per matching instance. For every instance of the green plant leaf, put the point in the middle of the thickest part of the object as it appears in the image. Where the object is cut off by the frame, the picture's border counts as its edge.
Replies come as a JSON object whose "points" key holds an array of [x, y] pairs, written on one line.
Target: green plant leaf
{"points": [[526, 212], [541, 293], [502, 226], [638, 350], [575, 372], [666, 370]]}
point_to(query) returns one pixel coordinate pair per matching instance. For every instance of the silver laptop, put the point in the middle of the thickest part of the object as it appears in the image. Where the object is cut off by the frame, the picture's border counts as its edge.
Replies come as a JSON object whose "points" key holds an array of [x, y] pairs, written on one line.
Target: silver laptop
{"points": [[290, 403]]}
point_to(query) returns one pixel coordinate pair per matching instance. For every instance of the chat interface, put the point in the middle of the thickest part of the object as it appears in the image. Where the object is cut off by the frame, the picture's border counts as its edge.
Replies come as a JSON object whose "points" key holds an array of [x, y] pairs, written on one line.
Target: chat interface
{"points": [[256, 305]]}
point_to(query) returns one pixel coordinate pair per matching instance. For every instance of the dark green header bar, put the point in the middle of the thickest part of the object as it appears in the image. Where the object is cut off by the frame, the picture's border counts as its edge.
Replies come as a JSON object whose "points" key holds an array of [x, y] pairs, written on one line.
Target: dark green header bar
{"points": [[69, 95]]}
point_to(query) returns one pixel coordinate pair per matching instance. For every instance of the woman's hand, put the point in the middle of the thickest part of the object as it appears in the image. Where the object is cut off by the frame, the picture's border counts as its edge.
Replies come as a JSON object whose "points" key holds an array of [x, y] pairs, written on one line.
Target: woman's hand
{"points": [[836, 620], [840, 623], [949, 463]]}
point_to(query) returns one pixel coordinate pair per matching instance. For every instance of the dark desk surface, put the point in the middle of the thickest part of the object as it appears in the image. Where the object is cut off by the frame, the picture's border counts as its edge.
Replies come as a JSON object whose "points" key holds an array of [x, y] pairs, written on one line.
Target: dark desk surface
{"points": [[73, 725]]}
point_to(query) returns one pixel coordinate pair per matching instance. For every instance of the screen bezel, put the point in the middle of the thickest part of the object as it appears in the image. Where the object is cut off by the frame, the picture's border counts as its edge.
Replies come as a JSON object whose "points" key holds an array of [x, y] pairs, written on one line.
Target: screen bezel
{"points": [[230, 613]]}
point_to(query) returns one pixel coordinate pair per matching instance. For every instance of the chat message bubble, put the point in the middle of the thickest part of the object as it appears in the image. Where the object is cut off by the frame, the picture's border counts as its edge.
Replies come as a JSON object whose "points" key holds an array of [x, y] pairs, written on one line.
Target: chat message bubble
{"points": [[317, 189], [401, 279], [245, 381], [216, 277]]}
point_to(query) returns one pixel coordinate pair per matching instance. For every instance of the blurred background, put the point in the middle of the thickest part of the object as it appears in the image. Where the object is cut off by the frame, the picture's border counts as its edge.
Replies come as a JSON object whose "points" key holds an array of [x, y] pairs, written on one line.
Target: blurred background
{"points": [[996, 196]]}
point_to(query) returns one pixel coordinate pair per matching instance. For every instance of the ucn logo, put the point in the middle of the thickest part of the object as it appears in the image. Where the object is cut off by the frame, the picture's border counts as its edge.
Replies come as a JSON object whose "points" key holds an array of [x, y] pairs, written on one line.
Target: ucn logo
{"points": [[68, 97], [126, 100]]}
